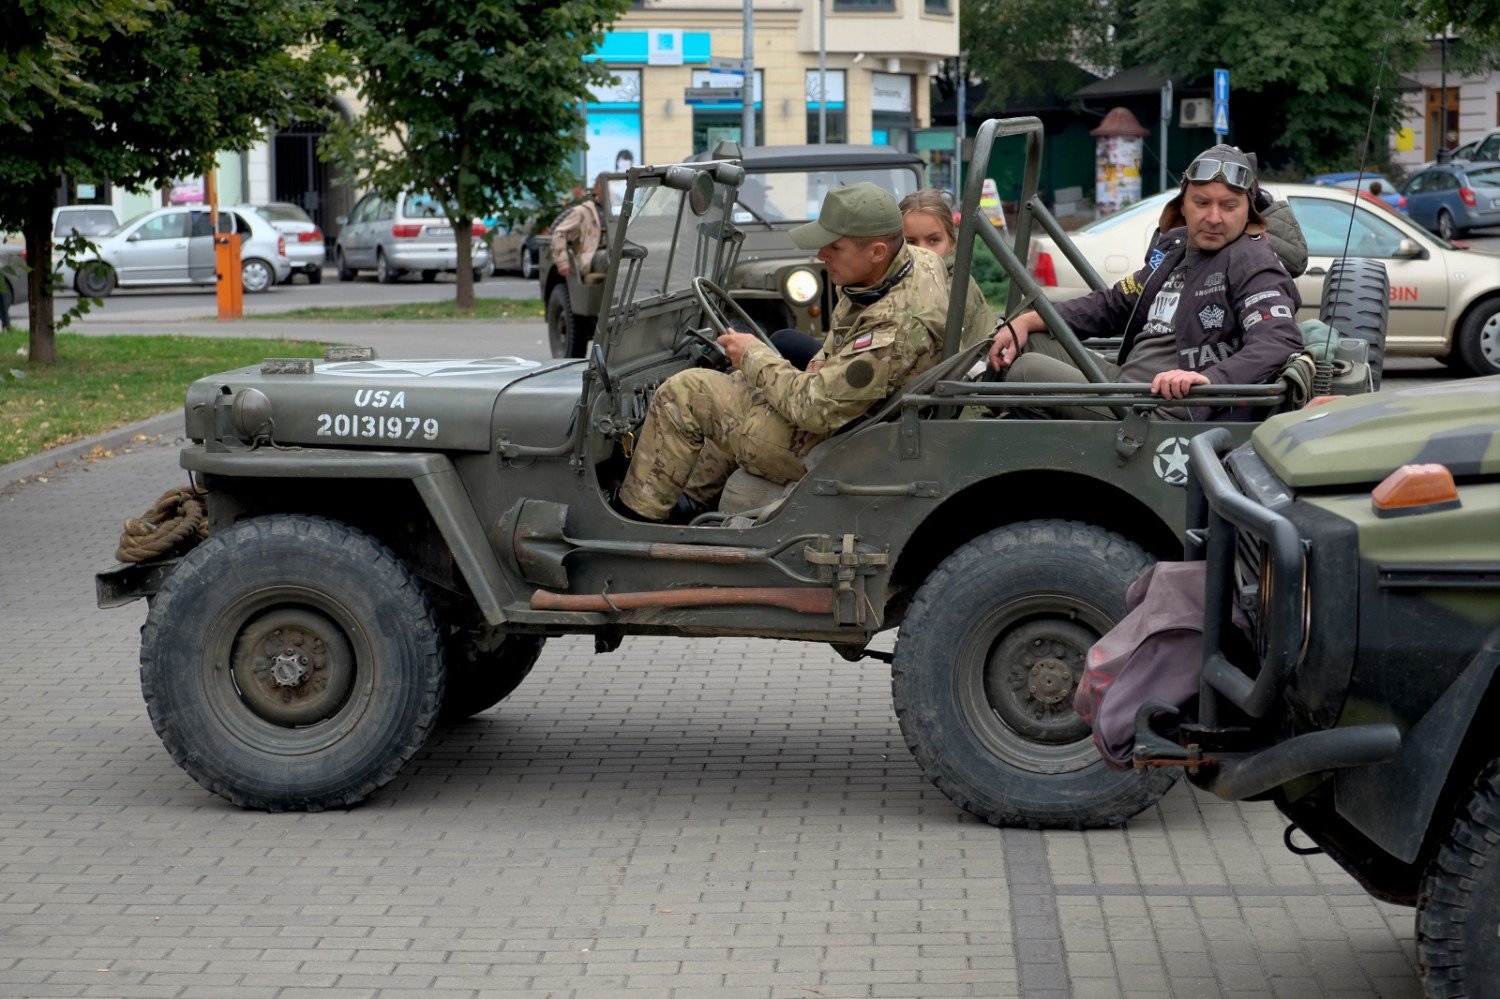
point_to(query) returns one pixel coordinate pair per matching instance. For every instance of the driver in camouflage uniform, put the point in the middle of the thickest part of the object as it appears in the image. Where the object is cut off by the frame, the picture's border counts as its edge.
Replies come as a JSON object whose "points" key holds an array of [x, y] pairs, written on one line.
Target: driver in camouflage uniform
{"points": [[766, 415]]}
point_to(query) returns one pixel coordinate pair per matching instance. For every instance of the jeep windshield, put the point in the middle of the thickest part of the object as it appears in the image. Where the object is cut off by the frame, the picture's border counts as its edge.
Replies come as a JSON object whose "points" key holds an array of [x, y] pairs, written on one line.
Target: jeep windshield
{"points": [[797, 196], [670, 237]]}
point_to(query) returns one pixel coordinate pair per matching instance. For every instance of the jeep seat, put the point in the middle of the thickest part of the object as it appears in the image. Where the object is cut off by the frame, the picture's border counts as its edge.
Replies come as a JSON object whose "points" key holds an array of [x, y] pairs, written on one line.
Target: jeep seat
{"points": [[597, 267]]}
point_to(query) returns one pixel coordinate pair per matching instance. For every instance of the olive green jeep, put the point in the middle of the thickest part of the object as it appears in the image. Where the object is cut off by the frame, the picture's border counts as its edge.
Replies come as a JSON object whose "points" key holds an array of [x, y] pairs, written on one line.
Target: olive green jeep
{"points": [[1361, 539], [389, 542], [779, 284]]}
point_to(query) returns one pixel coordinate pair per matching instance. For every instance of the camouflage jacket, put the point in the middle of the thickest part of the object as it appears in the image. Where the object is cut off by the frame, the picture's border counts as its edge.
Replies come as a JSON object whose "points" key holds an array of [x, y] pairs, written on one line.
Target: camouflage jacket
{"points": [[870, 351]]}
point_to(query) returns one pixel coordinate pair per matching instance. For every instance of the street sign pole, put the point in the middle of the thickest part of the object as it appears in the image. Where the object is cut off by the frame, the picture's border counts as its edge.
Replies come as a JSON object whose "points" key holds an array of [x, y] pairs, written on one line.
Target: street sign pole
{"points": [[1166, 122], [822, 72], [747, 102]]}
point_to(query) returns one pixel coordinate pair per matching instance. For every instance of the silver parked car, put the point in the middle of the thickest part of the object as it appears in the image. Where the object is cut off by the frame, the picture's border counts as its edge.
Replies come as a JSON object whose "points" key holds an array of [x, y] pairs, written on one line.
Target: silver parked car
{"points": [[13, 289], [407, 234], [304, 239], [175, 246], [85, 220]]}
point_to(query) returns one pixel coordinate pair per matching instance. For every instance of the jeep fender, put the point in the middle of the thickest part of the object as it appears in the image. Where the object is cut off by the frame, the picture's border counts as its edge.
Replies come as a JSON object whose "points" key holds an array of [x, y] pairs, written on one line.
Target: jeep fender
{"points": [[437, 483]]}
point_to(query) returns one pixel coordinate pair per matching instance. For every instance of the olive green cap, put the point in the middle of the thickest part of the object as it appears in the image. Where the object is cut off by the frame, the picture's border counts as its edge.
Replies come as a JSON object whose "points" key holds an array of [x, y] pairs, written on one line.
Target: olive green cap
{"points": [[859, 210]]}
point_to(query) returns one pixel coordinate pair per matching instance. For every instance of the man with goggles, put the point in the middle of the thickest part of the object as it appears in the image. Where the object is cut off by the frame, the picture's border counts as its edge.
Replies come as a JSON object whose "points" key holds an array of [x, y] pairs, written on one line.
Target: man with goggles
{"points": [[1212, 304]]}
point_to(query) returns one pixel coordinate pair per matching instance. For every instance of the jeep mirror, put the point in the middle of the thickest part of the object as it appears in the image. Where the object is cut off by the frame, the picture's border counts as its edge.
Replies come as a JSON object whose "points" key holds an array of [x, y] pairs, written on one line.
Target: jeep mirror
{"points": [[701, 197]]}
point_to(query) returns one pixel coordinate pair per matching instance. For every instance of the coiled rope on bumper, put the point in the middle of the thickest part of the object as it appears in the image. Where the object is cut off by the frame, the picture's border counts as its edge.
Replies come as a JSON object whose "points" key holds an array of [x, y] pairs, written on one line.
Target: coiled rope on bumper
{"points": [[178, 520]]}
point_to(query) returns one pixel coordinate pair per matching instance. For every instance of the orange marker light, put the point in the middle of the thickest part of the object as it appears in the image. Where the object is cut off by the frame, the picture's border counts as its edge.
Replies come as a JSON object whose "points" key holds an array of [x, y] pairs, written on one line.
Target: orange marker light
{"points": [[1415, 489]]}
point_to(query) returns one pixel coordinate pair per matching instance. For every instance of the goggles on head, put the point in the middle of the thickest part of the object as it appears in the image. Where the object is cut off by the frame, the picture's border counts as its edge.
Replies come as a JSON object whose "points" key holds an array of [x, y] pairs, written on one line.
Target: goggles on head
{"points": [[1205, 171]]}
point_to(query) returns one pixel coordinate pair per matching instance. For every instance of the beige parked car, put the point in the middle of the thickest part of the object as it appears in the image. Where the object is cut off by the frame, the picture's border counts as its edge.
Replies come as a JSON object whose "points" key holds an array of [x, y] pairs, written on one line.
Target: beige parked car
{"points": [[1445, 300]]}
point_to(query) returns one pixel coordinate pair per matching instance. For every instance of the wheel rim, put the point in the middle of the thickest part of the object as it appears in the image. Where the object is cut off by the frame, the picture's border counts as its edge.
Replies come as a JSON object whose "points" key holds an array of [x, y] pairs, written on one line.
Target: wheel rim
{"points": [[93, 282], [255, 276], [1489, 340], [259, 686], [382, 269], [1016, 674], [1445, 225]]}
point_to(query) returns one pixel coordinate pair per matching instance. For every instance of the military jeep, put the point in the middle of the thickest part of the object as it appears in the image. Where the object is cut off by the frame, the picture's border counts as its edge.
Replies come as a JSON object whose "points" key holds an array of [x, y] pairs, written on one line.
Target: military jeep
{"points": [[779, 284], [1361, 540], [389, 543]]}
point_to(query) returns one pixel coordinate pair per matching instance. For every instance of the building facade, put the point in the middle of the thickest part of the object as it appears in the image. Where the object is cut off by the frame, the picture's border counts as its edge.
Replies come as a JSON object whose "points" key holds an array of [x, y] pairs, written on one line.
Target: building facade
{"points": [[1445, 111], [880, 56]]}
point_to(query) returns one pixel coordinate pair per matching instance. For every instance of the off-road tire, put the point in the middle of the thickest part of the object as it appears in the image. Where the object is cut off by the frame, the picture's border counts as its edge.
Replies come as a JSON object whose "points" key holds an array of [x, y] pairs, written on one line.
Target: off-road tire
{"points": [[1014, 607], [1458, 903], [346, 273], [481, 676], [1476, 345], [372, 642], [567, 334], [1357, 303], [94, 279]]}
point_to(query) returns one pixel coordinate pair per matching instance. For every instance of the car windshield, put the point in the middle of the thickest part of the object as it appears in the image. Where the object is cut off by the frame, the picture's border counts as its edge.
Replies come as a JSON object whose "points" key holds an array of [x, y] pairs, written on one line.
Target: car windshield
{"points": [[797, 196], [1487, 177], [88, 222], [283, 213], [669, 241], [1151, 205]]}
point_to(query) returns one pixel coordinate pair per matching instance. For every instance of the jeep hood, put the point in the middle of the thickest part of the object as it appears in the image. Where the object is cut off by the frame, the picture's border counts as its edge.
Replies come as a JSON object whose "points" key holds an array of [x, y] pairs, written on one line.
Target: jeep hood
{"points": [[1364, 438], [418, 404]]}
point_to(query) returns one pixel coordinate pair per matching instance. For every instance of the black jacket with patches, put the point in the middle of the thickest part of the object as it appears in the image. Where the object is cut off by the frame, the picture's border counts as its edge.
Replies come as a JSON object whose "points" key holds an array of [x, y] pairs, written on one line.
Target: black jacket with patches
{"points": [[1235, 321]]}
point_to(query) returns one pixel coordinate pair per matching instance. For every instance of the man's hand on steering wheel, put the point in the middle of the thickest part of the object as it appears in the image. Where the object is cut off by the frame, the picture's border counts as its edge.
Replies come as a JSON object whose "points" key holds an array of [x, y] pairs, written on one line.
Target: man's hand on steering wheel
{"points": [[733, 345]]}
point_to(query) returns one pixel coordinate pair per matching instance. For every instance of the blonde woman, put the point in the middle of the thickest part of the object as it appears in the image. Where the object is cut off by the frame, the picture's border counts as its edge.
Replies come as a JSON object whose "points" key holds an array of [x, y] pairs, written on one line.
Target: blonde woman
{"points": [[927, 221]]}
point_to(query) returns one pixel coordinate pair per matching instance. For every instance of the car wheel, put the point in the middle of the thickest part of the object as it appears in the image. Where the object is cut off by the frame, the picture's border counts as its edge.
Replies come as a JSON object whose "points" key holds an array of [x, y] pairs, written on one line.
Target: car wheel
{"points": [[987, 661], [315, 276], [479, 274], [292, 662], [257, 275], [1357, 303], [384, 272], [528, 265], [1446, 227], [346, 273], [94, 279], [429, 276], [483, 671], [1477, 343], [567, 334], [1458, 903]]}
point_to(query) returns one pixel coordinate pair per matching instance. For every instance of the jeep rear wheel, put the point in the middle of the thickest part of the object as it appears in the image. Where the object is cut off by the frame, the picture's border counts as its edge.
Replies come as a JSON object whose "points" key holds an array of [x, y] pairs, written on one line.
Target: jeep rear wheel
{"points": [[1458, 905], [567, 334], [291, 662], [483, 671], [987, 660]]}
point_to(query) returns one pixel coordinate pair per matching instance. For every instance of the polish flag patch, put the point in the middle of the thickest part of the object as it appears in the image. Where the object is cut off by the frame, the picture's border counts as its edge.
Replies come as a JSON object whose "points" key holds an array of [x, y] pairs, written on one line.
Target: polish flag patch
{"points": [[862, 342]]}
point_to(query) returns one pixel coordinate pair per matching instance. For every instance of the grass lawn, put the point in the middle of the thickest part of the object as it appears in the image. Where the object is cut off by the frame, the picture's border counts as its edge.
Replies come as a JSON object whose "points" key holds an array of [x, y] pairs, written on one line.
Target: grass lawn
{"points": [[104, 382], [484, 308]]}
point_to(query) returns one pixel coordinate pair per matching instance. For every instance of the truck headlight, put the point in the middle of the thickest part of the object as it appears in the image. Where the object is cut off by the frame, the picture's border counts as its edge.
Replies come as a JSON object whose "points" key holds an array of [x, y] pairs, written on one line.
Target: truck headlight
{"points": [[801, 286]]}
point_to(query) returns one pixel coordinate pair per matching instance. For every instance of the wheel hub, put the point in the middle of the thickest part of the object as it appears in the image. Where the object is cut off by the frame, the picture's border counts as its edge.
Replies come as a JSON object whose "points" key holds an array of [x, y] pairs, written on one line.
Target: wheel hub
{"points": [[1031, 676], [1051, 681], [293, 667]]}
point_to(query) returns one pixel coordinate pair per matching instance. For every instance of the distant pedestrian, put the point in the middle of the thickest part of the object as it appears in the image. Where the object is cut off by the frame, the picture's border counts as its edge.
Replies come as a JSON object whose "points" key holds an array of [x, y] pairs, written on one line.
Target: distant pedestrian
{"points": [[580, 229]]}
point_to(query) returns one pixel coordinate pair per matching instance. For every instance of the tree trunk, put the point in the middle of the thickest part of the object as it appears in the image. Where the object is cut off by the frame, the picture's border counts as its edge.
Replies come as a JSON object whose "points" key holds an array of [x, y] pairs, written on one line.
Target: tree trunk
{"points": [[42, 346], [462, 232]]}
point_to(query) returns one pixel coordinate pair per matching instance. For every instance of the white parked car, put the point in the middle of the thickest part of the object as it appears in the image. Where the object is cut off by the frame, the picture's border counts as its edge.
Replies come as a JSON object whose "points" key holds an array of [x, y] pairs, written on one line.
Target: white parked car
{"points": [[174, 246], [409, 233], [304, 239], [85, 220], [1445, 299]]}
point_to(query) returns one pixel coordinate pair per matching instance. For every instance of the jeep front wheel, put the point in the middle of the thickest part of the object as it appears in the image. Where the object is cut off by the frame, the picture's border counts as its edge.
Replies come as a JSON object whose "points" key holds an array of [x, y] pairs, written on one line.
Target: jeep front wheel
{"points": [[292, 662], [987, 660], [1458, 904]]}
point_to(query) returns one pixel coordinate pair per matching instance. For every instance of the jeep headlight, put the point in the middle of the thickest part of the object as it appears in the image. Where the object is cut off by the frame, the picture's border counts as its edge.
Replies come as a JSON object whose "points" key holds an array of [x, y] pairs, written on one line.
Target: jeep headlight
{"points": [[801, 286]]}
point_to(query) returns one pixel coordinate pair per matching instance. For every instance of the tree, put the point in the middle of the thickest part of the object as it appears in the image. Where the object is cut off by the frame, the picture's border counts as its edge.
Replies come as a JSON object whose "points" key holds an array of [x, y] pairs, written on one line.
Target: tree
{"points": [[148, 91], [1312, 69], [1018, 47], [475, 102]]}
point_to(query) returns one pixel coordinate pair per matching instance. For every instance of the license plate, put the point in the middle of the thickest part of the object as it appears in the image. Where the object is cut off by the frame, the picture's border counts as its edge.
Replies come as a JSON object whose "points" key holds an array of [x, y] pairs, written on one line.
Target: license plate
{"points": [[439, 230]]}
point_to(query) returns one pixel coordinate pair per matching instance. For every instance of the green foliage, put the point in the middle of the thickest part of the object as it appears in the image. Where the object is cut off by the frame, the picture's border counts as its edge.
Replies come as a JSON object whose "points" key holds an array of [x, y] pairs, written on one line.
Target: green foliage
{"points": [[1020, 47], [992, 280], [1475, 29], [1312, 68], [163, 88], [474, 101]]}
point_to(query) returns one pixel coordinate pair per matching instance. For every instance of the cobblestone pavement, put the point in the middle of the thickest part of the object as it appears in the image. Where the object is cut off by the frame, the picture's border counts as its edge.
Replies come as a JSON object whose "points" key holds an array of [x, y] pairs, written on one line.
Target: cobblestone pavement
{"points": [[717, 818]]}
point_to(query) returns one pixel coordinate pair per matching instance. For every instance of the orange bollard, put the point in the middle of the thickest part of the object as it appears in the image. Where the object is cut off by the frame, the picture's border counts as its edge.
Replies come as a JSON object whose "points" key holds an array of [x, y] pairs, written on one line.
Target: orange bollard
{"points": [[231, 287]]}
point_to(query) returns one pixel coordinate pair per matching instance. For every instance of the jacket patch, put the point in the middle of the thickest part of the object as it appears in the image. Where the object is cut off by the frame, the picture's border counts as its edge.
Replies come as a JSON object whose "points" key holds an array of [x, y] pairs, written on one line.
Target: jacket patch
{"points": [[863, 342], [1212, 318], [1260, 297], [1157, 256], [1214, 280], [1250, 320], [1283, 311], [1130, 286]]}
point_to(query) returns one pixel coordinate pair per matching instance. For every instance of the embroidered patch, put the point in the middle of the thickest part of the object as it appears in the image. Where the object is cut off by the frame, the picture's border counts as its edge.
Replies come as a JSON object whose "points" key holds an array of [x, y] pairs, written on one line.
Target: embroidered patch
{"points": [[862, 342], [1284, 311], [1212, 318], [1130, 286], [1250, 320], [859, 373], [1259, 297], [1214, 280], [1157, 256]]}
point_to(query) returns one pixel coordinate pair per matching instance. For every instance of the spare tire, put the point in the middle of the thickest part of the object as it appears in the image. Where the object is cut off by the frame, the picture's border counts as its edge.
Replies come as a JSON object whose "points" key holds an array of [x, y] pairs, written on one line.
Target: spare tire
{"points": [[1357, 302]]}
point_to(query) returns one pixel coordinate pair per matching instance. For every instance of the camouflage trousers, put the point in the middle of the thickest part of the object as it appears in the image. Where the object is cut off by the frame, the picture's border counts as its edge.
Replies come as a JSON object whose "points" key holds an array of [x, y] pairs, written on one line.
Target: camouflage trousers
{"points": [[700, 427]]}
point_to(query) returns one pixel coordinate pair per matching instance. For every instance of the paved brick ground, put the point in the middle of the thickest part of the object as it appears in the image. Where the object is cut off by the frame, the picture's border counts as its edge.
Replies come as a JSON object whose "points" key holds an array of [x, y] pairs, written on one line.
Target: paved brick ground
{"points": [[679, 818]]}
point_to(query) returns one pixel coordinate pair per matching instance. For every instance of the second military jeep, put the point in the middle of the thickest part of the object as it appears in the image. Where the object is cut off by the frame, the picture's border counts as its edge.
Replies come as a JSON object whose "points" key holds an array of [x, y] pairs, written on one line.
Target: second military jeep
{"points": [[390, 542], [779, 284]]}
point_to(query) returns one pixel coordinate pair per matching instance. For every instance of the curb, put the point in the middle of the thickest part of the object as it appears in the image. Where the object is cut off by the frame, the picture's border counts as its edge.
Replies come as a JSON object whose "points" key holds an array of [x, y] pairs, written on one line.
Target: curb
{"points": [[38, 463]]}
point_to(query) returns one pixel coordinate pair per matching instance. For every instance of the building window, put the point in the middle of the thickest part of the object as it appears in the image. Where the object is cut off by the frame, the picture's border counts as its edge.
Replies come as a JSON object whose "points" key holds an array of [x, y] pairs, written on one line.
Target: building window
{"points": [[892, 112], [937, 7], [838, 128], [863, 6]]}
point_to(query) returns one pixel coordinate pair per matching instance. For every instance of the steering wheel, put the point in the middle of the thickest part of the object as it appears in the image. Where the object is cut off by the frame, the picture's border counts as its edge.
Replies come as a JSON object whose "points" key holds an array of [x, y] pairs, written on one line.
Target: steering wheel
{"points": [[717, 321]]}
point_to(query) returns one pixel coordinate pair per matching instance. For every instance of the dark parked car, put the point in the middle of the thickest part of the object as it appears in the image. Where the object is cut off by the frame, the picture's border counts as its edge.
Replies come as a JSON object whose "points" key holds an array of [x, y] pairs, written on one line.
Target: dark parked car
{"points": [[1452, 198]]}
